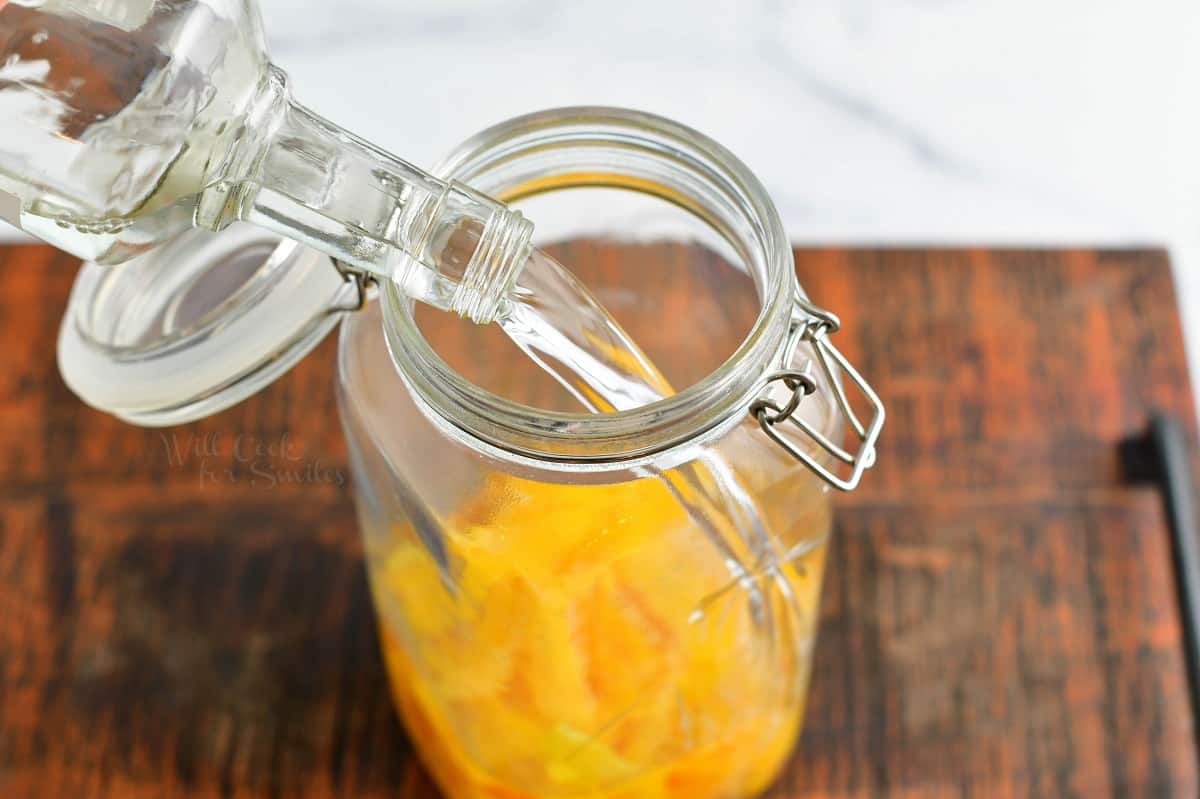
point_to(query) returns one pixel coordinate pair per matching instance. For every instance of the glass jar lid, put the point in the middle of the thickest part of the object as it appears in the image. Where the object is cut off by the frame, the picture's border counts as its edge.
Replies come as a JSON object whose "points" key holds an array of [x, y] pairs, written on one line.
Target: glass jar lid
{"points": [[198, 324]]}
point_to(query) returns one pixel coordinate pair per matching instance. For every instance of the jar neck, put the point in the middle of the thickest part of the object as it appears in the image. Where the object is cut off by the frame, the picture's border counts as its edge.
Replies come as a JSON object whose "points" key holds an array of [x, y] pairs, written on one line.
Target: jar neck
{"points": [[628, 150]]}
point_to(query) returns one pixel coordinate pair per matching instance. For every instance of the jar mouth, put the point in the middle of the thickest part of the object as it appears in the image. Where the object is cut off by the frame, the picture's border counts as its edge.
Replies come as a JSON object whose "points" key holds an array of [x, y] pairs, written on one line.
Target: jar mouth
{"points": [[617, 148]]}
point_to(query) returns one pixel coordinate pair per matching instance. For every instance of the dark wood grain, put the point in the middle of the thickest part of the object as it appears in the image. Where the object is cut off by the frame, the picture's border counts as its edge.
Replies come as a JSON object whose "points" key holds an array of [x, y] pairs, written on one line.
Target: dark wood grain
{"points": [[999, 617]]}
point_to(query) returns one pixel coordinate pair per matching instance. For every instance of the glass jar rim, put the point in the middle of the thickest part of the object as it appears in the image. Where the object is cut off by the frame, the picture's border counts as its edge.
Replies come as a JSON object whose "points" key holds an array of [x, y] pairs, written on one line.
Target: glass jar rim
{"points": [[706, 175]]}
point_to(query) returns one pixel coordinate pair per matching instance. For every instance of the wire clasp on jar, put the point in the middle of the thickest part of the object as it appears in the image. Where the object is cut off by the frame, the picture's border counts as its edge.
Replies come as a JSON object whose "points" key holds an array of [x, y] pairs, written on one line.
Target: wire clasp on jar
{"points": [[814, 325]]}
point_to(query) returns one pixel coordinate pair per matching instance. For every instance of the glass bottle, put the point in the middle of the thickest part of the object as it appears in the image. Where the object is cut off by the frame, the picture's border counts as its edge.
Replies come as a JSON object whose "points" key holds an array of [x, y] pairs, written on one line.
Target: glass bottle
{"points": [[126, 122]]}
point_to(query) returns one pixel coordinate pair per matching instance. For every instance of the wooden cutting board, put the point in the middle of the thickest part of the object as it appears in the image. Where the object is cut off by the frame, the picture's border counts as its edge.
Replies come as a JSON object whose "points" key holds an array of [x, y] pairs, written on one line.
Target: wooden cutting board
{"points": [[999, 617]]}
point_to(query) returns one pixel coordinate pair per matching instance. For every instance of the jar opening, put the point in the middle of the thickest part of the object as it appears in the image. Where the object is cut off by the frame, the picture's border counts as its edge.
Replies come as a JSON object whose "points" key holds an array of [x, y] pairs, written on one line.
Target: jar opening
{"points": [[544, 159], [661, 273]]}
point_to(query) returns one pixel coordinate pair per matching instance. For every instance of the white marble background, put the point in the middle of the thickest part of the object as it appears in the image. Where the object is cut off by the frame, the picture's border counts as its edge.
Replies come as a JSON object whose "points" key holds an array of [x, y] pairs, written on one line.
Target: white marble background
{"points": [[871, 121]]}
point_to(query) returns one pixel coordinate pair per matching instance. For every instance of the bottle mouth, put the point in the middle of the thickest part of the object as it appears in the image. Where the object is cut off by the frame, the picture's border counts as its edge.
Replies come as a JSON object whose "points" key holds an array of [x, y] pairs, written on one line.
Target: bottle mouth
{"points": [[614, 148]]}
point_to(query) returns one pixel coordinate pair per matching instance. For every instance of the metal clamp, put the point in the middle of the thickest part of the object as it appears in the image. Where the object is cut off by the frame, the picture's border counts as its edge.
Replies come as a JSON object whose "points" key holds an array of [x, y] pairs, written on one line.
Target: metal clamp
{"points": [[363, 283], [814, 324]]}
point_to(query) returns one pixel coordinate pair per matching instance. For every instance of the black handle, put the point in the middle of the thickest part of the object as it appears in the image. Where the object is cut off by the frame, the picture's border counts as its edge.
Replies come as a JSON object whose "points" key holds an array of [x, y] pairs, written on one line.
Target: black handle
{"points": [[1161, 456]]}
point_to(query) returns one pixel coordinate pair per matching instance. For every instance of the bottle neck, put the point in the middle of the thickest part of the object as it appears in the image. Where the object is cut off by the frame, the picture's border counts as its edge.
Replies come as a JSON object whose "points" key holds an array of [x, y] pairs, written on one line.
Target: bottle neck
{"points": [[309, 180]]}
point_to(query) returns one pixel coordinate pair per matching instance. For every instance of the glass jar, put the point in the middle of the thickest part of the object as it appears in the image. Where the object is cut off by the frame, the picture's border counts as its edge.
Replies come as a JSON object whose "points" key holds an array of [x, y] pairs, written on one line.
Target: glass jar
{"points": [[557, 618]]}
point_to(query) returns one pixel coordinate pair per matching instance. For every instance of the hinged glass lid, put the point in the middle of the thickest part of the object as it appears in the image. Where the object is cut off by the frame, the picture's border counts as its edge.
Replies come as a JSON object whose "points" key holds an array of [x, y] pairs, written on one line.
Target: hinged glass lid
{"points": [[198, 324]]}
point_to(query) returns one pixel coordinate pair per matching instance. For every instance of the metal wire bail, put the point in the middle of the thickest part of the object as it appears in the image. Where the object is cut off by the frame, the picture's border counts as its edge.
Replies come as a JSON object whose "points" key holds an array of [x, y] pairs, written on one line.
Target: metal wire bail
{"points": [[814, 324], [362, 283]]}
